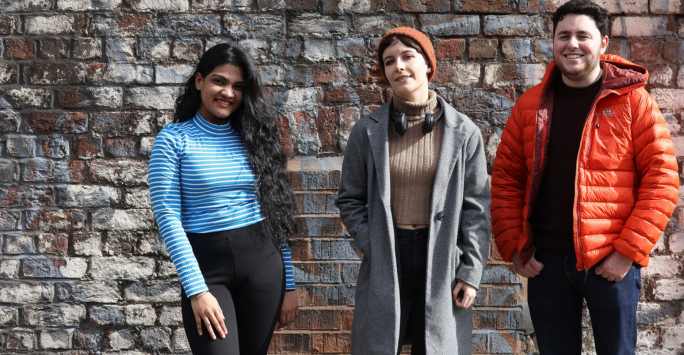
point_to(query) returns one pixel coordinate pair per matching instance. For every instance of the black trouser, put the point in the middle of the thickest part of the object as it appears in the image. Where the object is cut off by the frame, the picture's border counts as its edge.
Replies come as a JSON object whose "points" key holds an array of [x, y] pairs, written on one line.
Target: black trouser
{"points": [[411, 253], [243, 270]]}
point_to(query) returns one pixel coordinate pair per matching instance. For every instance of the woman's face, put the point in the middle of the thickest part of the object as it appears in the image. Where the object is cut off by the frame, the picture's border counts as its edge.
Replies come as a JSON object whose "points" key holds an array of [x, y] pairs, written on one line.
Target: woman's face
{"points": [[221, 92], [406, 71]]}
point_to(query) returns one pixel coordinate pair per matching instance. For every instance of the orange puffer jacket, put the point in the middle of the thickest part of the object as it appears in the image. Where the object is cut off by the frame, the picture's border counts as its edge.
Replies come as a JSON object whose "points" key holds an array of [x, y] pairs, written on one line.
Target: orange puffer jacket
{"points": [[626, 186]]}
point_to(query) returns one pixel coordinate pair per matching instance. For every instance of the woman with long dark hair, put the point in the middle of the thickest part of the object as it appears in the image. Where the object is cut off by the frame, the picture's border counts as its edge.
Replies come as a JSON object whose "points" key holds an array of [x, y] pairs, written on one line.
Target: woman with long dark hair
{"points": [[224, 208], [415, 197]]}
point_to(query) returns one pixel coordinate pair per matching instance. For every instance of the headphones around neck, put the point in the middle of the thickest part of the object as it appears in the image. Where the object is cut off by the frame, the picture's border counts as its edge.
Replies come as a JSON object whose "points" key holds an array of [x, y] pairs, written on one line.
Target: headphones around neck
{"points": [[400, 122]]}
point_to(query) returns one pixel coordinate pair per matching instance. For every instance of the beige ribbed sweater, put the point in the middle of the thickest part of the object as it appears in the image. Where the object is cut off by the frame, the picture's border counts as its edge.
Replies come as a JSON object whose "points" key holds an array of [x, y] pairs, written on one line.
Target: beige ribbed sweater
{"points": [[413, 163]]}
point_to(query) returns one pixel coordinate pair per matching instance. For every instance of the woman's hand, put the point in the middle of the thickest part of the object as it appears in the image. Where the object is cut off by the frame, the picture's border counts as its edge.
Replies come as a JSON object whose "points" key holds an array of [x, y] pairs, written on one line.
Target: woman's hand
{"points": [[463, 294], [288, 310], [208, 313]]}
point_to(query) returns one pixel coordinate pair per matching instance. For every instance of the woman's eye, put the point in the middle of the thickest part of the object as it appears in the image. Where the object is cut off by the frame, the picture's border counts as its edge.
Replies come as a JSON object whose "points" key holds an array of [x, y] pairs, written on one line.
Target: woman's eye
{"points": [[218, 81], [389, 62]]}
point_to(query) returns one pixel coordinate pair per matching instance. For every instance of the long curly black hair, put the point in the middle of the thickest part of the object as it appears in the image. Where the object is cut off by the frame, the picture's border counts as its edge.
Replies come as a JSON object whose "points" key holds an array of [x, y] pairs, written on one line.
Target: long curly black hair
{"points": [[259, 134]]}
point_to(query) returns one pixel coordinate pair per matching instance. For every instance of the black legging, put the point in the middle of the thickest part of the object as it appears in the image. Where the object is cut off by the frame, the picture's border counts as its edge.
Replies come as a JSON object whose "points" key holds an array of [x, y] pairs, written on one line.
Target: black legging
{"points": [[243, 270]]}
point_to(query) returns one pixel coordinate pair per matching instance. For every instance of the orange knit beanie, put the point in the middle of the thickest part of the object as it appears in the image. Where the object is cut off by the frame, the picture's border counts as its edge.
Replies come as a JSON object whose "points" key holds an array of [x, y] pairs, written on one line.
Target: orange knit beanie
{"points": [[420, 38]]}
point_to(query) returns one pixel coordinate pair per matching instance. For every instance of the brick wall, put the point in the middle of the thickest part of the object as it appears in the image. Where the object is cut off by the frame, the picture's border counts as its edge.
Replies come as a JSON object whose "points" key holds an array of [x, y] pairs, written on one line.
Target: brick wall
{"points": [[86, 84]]}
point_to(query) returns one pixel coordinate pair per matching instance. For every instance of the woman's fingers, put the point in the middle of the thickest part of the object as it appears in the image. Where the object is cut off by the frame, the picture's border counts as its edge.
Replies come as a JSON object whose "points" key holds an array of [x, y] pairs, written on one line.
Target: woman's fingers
{"points": [[198, 323], [210, 329]]}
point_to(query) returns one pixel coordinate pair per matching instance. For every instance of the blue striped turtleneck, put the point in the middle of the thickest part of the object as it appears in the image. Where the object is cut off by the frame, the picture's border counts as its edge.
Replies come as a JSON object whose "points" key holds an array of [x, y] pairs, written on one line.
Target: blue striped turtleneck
{"points": [[201, 181]]}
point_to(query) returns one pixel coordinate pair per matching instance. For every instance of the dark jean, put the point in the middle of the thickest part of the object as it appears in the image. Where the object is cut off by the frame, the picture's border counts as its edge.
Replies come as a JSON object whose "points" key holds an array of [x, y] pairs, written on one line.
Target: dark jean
{"points": [[411, 254], [555, 300]]}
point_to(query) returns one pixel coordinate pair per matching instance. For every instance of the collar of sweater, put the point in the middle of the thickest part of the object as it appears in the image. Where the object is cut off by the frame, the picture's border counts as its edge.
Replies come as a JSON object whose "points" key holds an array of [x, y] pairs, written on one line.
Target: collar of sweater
{"points": [[414, 110]]}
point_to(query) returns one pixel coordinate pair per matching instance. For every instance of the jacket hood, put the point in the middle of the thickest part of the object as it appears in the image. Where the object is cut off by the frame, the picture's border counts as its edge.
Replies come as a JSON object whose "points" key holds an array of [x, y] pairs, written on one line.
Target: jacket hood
{"points": [[619, 74]]}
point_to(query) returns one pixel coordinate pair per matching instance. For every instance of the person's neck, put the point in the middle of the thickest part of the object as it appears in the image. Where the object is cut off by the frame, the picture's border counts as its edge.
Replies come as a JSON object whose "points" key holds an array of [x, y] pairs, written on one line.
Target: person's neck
{"points": [[584, 82], [416, 107]]}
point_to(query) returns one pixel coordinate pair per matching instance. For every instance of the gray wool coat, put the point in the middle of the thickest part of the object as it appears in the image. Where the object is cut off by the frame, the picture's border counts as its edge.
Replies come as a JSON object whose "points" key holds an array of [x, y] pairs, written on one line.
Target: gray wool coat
{"points": [[458, 244]]}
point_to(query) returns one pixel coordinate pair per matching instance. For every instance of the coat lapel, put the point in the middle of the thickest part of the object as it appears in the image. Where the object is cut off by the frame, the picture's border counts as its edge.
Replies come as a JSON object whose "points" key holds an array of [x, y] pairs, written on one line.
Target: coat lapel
{"points": [[452, 143], [379, 142]]}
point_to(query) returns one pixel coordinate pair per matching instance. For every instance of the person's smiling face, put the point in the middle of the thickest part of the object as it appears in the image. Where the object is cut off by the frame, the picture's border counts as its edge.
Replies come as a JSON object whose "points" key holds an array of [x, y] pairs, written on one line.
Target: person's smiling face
{"points": [[221, 92], [577, 48], [406, 71]]}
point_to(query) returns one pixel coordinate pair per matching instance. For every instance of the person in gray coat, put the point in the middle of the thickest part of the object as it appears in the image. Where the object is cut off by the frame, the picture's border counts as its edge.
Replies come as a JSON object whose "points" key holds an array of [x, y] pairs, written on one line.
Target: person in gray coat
{"points": [[414, 196]]}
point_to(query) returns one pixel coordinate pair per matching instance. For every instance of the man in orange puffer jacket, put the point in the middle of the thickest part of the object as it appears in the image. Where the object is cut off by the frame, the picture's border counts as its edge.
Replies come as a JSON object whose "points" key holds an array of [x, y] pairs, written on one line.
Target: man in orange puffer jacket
{"points": [[584, 182]]}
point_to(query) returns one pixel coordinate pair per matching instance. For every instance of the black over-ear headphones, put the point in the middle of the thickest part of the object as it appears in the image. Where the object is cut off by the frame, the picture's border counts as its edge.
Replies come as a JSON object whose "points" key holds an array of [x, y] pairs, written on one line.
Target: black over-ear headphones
{"points": [[400, 122]]}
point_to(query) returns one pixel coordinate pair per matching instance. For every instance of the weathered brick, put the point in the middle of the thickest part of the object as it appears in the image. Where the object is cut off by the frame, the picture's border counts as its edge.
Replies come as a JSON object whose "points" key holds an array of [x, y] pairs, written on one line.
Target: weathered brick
{"points": [[115, 124], [121, 339], [52, 243], [161, 5], [665, 266], [170, 316], [121, 268], [154, 48], [56, 122], [626, 26], [656, 314], [153, 291], [222, 5], [9, 268], [673, 338], [27, 196], [86, 243], [87, 48], [661, 75], [187, 49], [487, 6], [669, 99], [88, 5], [110, 219], [157, 98], [669, 289], [124, 74], [379, 24], [19, 48], [543, 50], [483, 48], [180, 340], [9, 73], [90, 97], [8, 25], [458, 74], [140, 314], [57, 24], [425, 5], [55, 146], [500, 75], [129, 24], [173, 74], [450, 25], [330, 342], [120, 49], [21, 146], [128, 173], [87, 338], [8, 219], [53, 48], [188, 25], [54, 267], [680, 77], [517, 49], [17, 339], [21, 98], [18, 244], [10, 120], [513, 25], [292, 343], [107, 315], [450, 48], [89, 146], [8, 316], [55, 339], [9, 171], [88, 196], [121, 147], [45, 170], [156, 339], [497, 318], [55, 313], [666, 6]]}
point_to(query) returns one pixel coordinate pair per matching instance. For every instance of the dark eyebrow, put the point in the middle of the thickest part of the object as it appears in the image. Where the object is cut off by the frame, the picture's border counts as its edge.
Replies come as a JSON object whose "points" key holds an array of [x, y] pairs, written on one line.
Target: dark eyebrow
{"points": [[410, 50], [224, 78]]}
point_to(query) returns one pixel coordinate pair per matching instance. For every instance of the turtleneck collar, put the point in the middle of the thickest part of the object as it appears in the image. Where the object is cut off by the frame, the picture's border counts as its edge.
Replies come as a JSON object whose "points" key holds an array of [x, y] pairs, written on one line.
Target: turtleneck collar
{"points": [[211, 128], [414, 110]]}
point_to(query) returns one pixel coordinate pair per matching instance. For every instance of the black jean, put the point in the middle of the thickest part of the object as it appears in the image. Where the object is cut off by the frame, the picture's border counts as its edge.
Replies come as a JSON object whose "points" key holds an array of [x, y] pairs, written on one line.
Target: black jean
{"points": [[243, 270], [411, 254], [555, 299]]}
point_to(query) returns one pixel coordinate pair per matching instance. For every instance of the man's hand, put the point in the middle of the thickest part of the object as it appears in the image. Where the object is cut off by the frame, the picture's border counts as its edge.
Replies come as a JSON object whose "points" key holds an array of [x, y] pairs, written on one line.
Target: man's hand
{"points": [[288, 310], [531, 269], [463, 295], [614, 267], [208, 314]]}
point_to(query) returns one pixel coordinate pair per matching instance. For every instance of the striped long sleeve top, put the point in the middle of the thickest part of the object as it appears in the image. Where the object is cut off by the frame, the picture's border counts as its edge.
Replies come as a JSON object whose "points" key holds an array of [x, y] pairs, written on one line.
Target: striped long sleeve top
{"points": [[201, 181]]}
